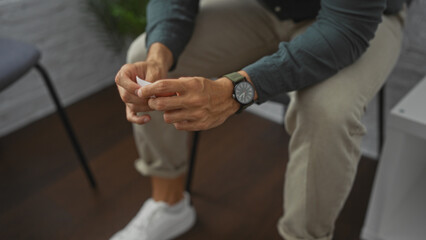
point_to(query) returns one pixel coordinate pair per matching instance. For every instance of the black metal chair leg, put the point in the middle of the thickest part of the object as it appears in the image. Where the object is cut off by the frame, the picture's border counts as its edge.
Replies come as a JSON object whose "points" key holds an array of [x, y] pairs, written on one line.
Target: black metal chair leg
{"points": [[67, 125], [381, 118], [192, 161]]}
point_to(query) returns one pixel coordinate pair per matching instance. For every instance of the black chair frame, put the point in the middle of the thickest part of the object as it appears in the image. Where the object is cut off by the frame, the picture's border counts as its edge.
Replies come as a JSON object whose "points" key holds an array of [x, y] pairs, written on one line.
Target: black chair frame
{"points": [[66, 123]]}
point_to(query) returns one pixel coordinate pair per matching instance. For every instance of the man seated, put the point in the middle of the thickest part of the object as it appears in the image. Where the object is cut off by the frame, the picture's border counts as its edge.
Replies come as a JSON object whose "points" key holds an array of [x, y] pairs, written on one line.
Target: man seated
{"points": [[331, 56]]}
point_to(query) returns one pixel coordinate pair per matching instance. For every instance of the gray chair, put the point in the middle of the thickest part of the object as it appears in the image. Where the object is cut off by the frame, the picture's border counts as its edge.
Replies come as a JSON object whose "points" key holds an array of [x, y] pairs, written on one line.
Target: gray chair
{"points": [[16, 59]]}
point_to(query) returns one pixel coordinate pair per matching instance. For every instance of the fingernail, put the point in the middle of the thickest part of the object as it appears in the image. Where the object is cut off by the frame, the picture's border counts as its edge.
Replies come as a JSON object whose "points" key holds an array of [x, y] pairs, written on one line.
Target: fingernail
{"points": [[139, 93], [136, 92], [145, 120]]}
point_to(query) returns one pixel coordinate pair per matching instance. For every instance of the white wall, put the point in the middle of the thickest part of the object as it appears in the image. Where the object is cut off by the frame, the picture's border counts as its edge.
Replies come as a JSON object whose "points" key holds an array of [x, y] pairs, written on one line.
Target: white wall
{"points": [[78, 63]]}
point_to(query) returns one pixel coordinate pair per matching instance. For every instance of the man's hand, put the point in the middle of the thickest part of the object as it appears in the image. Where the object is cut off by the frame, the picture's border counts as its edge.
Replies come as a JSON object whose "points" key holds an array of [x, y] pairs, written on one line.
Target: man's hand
{"points": [[200, 102], [155, 67]]}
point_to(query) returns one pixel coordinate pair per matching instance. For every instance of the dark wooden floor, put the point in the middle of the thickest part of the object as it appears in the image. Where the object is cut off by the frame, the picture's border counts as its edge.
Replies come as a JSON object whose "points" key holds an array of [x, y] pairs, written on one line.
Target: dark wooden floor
{"points": [[237, 190]]}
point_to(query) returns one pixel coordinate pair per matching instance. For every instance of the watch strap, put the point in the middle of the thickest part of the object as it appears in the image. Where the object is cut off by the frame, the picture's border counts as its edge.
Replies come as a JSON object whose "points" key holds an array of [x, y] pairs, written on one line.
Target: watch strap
{"points": [[243, 106], [235, 77]]}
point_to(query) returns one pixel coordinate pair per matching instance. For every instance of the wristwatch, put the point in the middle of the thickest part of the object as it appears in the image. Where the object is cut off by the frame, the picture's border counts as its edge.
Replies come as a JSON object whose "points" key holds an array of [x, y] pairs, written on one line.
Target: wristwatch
{"points": [[243, 91]]}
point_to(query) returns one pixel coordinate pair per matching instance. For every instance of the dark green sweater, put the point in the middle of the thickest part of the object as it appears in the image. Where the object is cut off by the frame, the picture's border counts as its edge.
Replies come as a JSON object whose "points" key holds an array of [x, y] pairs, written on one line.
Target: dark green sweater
{"points": [[340, 34]]}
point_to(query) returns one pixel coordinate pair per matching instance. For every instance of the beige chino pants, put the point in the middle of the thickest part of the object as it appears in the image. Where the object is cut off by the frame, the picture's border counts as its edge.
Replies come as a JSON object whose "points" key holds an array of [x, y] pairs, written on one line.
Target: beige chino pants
{"points": [[324, 120]]}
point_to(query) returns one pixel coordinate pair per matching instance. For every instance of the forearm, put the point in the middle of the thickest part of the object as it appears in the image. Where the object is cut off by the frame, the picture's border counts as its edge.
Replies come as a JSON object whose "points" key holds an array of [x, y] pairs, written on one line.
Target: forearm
{"points": [[161, 54], [171, 23], [339, 36]]}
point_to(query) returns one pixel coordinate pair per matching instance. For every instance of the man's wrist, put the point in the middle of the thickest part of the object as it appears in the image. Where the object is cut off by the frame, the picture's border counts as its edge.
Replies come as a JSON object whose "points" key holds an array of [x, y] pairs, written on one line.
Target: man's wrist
{"points": [[161, 54], [228, 89]]}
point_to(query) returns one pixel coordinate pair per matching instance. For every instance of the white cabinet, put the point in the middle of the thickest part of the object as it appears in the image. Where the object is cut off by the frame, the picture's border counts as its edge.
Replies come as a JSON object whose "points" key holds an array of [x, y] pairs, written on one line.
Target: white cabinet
{"points": [[397, 208]]}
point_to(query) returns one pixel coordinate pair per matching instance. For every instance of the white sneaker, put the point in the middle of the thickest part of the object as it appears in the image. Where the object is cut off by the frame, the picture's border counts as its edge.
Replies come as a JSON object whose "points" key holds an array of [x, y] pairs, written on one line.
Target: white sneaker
{"points": [[159, 221]]}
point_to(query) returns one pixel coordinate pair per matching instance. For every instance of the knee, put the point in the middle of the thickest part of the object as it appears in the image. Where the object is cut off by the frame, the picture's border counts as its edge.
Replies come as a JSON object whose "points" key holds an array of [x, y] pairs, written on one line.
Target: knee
{"points": [[330, 113], [137, 50]]}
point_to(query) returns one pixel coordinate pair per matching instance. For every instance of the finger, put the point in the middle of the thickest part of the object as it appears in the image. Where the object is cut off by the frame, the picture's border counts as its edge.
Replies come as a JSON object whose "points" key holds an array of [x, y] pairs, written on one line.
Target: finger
{"points": [[162, 87], [134, 118], [139, 107], [179, 116], [187, 126], [166, 103], [127, 80], [128, 97]]}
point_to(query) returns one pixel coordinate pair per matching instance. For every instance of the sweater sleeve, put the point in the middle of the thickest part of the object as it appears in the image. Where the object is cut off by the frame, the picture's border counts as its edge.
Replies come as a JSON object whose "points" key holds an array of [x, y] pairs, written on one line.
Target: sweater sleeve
{"points": [[339, 36], [171, 22]]}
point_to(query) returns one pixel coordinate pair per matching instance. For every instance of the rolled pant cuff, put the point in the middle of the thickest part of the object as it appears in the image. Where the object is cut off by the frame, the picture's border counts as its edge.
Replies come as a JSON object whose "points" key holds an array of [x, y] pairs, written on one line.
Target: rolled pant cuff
{"points": [[147, 170], [287, 236]]}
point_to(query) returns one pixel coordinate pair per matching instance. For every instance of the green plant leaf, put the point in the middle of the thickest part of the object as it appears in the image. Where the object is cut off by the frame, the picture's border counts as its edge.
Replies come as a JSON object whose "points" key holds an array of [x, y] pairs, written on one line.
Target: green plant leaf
{"points": [[118, 20]]}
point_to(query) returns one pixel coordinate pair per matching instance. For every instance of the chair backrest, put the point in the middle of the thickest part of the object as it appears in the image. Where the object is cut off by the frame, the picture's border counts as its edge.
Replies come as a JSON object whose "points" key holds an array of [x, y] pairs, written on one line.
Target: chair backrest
{"points": [[16, 59]]}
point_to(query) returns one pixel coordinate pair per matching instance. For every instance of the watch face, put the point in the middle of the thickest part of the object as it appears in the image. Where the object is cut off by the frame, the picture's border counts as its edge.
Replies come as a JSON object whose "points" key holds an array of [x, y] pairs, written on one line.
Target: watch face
{"points": [[244, 92]]}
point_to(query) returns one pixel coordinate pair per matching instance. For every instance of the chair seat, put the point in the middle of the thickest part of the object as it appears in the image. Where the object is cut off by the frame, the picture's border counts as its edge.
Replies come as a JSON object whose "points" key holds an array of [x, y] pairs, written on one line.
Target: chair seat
{"points": [[16, 59]]}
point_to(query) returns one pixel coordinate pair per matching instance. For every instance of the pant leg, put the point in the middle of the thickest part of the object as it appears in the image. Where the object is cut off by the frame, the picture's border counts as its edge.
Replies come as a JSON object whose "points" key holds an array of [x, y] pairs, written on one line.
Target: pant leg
{"points": [[228, 35], [324, 122], [162, 149]]}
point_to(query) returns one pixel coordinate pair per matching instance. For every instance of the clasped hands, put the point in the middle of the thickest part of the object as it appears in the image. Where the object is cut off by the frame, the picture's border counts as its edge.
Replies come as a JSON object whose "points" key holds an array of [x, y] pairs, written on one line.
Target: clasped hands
{"points": [[199, 103]]}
